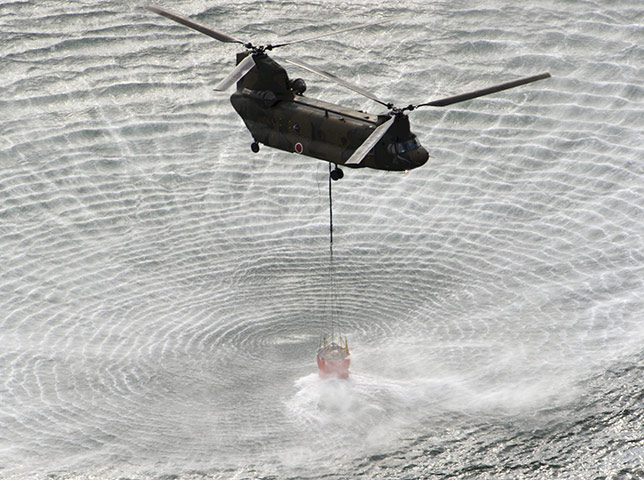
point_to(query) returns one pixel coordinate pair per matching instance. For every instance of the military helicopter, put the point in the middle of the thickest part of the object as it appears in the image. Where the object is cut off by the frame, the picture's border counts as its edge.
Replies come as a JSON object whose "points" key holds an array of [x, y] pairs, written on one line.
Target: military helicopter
{"points": [[278, 115]]}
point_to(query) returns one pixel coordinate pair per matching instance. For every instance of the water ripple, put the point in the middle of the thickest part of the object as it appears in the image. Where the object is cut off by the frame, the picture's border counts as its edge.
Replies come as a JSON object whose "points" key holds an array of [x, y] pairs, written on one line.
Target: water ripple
{"points": [[163, 290]]}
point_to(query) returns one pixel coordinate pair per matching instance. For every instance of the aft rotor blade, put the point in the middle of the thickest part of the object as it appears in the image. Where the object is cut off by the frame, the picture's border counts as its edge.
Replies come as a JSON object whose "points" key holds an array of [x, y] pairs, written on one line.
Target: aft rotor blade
{"points": [[335, 32], [363, 150], [238, 72], [485, 91], [222, 37], [339, 81]]}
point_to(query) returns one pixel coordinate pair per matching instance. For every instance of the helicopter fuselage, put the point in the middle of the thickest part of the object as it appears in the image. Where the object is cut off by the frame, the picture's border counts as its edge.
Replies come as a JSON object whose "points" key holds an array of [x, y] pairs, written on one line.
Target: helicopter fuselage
{"points": [[279, 116]]}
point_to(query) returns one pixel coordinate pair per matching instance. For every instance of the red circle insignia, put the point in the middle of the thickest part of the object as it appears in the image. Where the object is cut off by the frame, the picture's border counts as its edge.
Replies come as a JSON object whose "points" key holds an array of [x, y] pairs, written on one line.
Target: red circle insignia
{"points": [[299, 148]]}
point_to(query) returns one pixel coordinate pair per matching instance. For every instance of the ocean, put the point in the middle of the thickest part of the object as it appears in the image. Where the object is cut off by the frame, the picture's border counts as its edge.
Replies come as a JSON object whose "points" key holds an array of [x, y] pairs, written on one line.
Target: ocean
{"points": [[163, 289]]}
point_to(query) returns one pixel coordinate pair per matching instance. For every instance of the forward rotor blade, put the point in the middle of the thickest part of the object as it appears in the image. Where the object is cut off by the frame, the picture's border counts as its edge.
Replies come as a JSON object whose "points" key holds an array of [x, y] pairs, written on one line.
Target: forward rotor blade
{"points": [[363, 150], [335, 32], [339, 81], [485, 91], [222, 37], [238, 72]]}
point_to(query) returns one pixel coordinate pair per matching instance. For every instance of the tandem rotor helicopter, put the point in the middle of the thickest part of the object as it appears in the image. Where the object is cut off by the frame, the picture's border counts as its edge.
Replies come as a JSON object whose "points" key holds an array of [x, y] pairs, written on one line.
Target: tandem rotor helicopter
{"points": [[278, 115]]}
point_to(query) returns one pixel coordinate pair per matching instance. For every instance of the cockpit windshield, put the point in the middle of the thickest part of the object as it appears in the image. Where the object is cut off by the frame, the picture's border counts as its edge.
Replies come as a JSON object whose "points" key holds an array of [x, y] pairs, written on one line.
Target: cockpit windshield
{"points": [[403, 147]]}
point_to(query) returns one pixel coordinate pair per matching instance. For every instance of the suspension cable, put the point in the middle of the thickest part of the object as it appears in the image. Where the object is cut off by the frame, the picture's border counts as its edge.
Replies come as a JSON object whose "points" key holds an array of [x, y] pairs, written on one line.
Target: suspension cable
{"points": [[330, 215], [331, 272]]}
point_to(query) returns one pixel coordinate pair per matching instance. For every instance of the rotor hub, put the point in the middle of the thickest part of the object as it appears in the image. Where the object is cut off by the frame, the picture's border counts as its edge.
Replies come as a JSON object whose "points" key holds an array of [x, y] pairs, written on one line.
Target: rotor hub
{"points": [[257, 49], [400, 111]]}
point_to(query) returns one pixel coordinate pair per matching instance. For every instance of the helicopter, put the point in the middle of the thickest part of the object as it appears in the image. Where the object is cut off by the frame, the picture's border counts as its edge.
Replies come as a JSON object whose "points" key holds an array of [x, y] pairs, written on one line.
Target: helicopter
{"points": [[277, 114]]}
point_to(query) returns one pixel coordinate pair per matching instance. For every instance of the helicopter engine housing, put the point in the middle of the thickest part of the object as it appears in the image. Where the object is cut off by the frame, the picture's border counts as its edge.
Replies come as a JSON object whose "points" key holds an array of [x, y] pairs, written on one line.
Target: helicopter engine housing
{"points": [[298, 86]]}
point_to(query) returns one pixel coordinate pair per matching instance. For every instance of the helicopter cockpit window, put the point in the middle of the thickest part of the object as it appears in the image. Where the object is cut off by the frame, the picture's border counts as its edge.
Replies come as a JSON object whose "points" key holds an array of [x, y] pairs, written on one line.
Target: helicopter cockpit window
{"points": [[403, 147]]}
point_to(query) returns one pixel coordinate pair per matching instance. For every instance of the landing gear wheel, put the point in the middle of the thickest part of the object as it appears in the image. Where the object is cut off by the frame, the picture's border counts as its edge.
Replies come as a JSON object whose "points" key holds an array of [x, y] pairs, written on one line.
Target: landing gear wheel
{"points": [[254, 147], [336, 174]]}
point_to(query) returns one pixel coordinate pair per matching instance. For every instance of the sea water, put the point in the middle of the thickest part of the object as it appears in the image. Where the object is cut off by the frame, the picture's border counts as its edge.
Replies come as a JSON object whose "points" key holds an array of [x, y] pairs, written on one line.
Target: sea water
{"points": [[163, 290]]}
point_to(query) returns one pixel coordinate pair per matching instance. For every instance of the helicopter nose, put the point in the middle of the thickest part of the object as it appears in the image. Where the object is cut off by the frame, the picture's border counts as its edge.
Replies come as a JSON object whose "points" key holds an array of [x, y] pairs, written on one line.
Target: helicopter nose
{"points": [[418, 157]]}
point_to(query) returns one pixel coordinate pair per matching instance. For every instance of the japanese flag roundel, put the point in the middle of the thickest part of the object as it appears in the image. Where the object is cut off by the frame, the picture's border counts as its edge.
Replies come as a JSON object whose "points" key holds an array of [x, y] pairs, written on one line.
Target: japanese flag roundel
{"points": [[299, 148]]}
